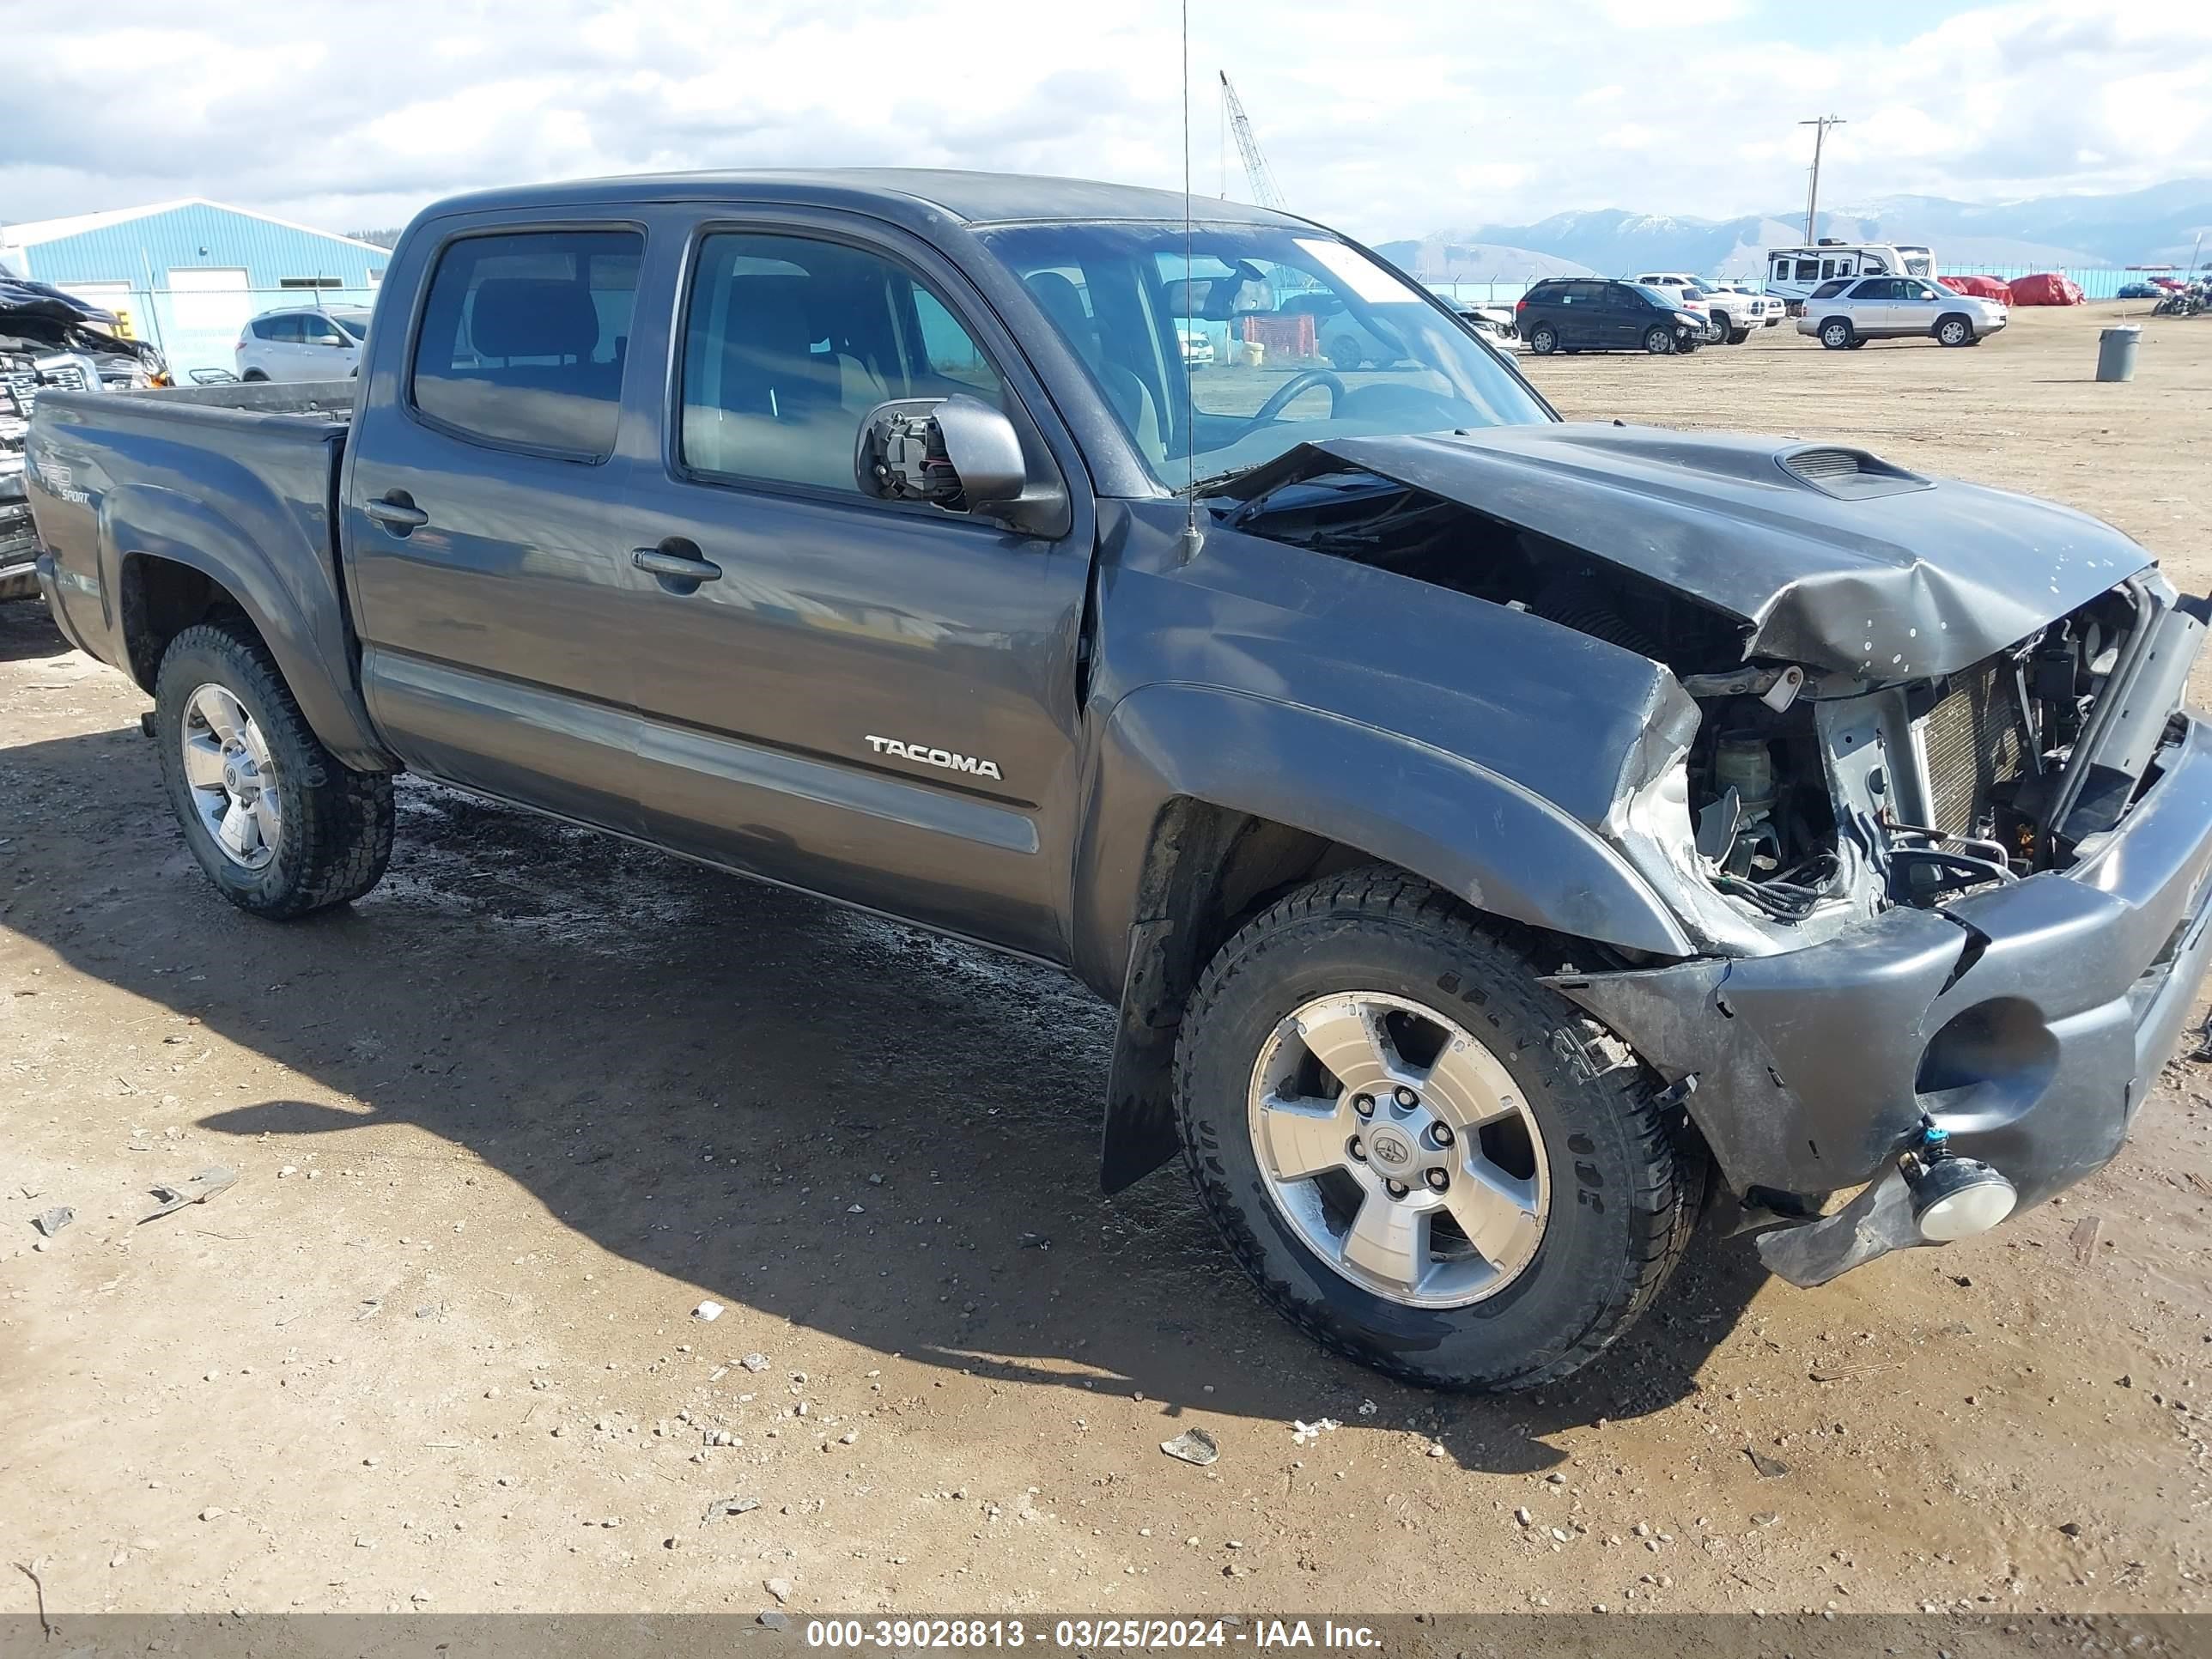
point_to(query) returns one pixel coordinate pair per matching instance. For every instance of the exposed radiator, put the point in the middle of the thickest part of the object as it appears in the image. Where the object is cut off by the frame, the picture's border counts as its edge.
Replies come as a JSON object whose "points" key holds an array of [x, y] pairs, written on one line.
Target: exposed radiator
{"points": [[1972, 737]]}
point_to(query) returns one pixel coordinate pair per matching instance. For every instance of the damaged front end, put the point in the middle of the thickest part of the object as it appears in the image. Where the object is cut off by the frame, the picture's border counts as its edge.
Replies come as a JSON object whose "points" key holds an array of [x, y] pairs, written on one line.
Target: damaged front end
{"points": [[1940, 835]]}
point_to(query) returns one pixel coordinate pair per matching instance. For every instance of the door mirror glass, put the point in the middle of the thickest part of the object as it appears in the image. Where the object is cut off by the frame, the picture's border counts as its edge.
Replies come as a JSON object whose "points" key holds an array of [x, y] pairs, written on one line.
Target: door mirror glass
{"points": [[956, 452]]}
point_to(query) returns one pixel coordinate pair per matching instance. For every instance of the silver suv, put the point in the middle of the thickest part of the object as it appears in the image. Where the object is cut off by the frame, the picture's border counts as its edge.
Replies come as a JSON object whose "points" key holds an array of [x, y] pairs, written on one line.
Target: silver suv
{"points": [[1845, 314], [302, 343]]}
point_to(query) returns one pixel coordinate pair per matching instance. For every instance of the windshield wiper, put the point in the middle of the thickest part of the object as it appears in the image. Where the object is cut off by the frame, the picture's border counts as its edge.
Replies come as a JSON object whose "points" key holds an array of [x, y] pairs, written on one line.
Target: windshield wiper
{"points": [[1215, 480]]}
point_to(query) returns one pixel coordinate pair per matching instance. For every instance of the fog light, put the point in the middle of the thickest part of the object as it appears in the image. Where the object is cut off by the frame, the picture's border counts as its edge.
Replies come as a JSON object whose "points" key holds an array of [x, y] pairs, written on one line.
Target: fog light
{"points": [[1954, 1197]]}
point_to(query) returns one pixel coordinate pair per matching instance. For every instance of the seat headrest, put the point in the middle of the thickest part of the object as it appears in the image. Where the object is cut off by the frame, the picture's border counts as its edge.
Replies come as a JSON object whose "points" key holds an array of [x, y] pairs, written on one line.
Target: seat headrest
{"points": [[534, 317], [1062, 301]]}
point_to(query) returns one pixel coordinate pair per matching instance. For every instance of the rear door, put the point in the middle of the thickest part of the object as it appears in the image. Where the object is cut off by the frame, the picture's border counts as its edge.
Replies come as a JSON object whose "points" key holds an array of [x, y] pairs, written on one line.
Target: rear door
{"points": [[487, 534], [870, 700], [1874, 306], [278, 353], [1580, 315]]}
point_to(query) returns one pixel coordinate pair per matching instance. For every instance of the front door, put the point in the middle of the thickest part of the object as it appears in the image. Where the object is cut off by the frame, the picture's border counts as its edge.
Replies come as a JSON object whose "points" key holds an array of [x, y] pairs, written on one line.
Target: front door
{"points": [[1919, 304], [485, 521], [870, 700]]}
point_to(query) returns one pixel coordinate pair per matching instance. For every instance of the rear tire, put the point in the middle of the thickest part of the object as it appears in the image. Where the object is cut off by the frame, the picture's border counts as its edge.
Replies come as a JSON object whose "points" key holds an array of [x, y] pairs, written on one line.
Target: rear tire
{"points": [[333, 825], [1659, 340], [1737, 337], [1544, 339], [1344, 354], [1610, 1181], [1837, 334], [252, 375]]}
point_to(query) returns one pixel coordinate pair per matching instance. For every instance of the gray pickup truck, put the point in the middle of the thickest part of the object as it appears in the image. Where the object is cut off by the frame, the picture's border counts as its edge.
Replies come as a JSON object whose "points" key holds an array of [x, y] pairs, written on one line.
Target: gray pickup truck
{"points": [[1489, 828]]}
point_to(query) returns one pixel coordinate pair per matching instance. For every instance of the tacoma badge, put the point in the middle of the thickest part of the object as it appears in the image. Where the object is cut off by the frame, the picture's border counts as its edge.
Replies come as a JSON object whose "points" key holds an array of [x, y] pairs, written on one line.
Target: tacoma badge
{"points": [[944, 757]]}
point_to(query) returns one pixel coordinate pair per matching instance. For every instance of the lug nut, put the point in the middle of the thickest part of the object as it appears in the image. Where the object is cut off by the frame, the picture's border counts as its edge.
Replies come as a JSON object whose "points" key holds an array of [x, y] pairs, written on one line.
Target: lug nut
{"points": [[1364, 1105], [1359, 1153], [1438, 1180], [1406, 1096], [1442, 1134], [1396, 1188]]}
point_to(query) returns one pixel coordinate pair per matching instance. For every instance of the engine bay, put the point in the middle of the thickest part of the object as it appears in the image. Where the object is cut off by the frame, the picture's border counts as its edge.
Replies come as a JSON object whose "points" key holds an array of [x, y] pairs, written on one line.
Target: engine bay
{"points": [[1810, 792]]}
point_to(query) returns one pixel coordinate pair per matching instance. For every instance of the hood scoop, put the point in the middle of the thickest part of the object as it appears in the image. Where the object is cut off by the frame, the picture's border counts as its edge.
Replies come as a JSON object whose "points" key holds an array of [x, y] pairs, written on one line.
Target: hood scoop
{"points": [[1848, 474]]}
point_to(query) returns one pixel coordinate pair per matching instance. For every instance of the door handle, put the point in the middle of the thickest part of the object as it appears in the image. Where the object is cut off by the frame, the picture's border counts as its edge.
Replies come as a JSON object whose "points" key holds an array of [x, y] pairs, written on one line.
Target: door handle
{"points": [[397, 514], [677, 567]]}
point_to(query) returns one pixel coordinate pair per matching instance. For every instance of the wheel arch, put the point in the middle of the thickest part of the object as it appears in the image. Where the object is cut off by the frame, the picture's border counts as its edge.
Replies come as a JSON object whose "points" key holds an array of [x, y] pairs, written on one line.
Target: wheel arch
{"points": [[172, 560], [1184, 841]]}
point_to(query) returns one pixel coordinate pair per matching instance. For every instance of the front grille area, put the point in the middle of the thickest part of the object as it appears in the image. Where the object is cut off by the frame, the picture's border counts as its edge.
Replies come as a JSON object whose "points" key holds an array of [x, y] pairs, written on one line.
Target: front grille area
{"points": [[1971, 738]]}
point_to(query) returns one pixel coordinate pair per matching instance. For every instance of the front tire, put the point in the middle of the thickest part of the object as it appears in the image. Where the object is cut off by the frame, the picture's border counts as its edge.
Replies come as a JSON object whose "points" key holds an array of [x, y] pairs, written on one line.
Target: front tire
{"points": [[1525, 1239], [1955, 331], [281, 826], [1659, 340], [1344, 354]]}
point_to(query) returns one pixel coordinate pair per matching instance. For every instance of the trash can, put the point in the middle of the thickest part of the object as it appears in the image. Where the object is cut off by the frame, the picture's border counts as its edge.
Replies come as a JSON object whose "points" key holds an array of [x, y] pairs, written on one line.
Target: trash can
{"points": [[2116, 352]]}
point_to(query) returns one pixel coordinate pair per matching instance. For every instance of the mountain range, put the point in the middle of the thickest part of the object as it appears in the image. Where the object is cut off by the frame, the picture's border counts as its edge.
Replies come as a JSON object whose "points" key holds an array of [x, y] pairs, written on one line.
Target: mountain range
{"points": [[2156, 226]]}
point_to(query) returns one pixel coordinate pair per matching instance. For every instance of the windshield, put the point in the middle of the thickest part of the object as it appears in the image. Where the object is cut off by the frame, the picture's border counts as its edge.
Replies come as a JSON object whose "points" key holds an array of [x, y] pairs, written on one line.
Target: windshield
{"points": [[354, 323], [1659, 297], [1311, 339]]}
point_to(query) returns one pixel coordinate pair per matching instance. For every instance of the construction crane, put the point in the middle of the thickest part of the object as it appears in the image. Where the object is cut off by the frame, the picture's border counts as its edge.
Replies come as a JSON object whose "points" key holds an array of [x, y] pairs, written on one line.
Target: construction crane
{"points": [[1264, 193]]}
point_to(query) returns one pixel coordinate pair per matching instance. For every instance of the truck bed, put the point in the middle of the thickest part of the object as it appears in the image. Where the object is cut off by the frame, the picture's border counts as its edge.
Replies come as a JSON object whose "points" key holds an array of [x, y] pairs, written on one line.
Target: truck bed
{"points": [[238, 481]]}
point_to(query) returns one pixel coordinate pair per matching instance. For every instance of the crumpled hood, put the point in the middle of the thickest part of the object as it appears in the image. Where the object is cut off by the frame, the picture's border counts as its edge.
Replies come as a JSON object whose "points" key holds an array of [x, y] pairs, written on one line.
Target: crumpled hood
{"points": [[1873, 573]]}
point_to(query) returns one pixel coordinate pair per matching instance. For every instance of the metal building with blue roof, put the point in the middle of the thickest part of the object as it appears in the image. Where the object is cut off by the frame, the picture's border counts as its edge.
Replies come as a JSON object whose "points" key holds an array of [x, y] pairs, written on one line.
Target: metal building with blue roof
{"points": [[187, 274]]}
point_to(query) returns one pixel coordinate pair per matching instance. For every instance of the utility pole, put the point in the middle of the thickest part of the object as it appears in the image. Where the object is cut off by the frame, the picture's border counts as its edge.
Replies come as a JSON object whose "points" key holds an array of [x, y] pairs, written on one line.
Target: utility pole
{"points": [[1812, 192]]}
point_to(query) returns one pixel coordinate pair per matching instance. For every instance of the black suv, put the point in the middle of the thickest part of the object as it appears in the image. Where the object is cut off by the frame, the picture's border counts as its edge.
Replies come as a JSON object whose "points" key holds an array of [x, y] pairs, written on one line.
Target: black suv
{"points": [[1590, 313]]}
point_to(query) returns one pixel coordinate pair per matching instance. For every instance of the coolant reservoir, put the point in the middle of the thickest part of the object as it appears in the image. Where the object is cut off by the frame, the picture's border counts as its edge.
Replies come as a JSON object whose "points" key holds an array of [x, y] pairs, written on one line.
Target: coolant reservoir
{"points": [[1742, 761]]}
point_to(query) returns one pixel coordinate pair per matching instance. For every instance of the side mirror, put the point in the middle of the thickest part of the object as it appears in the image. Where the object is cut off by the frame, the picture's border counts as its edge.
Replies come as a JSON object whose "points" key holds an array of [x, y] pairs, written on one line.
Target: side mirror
{"points": [[957, 453]]}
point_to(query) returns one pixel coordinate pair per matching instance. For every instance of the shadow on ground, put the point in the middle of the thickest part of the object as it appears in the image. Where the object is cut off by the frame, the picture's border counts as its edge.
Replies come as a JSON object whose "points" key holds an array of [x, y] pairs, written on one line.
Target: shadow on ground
{"points": [[701, 1074]]}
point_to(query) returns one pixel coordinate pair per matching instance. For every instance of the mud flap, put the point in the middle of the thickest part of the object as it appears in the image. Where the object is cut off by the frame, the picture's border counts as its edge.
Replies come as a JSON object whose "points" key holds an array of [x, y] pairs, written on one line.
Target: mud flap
{"points": [[1140, 1133]]}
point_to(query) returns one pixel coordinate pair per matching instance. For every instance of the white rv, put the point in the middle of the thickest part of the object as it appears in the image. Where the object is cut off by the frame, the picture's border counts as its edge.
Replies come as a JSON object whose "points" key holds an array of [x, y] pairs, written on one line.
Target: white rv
{"points": [[1792, 273]]}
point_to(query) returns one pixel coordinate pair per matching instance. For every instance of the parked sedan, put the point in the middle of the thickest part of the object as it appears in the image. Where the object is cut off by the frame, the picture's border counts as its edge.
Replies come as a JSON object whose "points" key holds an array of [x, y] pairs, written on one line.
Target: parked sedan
{"points": [[302, 343], [1845, 315]]}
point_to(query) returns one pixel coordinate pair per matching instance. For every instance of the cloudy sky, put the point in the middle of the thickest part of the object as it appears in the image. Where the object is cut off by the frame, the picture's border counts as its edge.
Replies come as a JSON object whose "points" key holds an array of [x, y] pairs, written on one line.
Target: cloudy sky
{"points": [[1389, 119]]}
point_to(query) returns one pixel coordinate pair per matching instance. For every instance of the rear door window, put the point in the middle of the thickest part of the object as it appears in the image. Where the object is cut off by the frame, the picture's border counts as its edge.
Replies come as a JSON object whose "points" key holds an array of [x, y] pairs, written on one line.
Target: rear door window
{"points": [[523, 339]]}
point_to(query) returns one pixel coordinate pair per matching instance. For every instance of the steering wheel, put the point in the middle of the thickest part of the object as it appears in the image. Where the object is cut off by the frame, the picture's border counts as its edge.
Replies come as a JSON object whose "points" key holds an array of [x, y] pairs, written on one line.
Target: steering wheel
{"points": [[1289, 390]]}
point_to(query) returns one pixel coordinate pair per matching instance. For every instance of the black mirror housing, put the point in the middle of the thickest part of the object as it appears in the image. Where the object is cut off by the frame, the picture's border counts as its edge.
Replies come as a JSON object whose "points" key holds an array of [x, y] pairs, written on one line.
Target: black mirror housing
{"points": [[959, 454]]}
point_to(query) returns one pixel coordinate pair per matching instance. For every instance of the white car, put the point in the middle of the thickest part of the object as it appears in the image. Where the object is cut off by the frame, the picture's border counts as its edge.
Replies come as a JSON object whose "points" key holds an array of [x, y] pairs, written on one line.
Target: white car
{"points": [[1197, 347], [303, 343], [1729, 315], [1496, 321], [1843, 315], [1763, 310]]}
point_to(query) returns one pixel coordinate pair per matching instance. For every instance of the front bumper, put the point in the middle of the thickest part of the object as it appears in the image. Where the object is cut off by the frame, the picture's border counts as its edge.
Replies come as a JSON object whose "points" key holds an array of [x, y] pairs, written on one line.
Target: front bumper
{"points": [[19, 551], [2029, 1020]]}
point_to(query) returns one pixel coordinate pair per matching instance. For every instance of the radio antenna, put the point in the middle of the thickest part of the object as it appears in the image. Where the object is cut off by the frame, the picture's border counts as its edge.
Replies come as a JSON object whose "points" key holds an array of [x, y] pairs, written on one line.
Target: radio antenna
{"points": [[1191, 538]]}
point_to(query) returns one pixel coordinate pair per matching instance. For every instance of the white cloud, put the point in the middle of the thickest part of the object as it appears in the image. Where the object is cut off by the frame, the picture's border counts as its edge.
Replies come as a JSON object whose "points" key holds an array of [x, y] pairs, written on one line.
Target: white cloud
{"points": [[1417, 116]]}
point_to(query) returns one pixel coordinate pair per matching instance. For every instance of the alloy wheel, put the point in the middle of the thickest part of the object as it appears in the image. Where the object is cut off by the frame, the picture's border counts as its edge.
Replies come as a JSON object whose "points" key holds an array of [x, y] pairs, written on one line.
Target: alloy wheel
{"points": [[1399, 1149]]}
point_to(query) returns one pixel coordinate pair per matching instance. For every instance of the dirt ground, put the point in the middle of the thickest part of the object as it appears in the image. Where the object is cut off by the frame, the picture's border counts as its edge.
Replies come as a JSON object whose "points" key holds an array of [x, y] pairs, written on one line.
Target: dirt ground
{"points": [[504, 1124]]}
